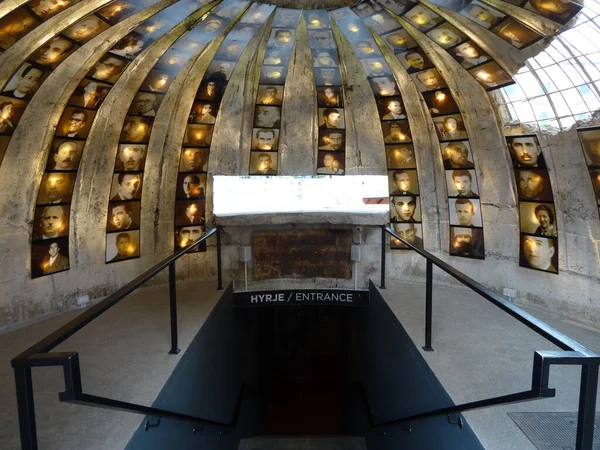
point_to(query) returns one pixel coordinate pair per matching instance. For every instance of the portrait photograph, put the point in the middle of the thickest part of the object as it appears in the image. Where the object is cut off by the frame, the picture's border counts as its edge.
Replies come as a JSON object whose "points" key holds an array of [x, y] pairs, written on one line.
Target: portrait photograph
{"points": [[515, 33], [440, 102], [129, 47], [277, 56], [391, 108], [330, 96], [465, 212], [56, 188], [491, 76], [467, 242], [482, 14], [211, 91], [212, 26], [447, 36], [122, 245], [136, 130], [15, 25], [119, 10], [454, 5], [365, 8], [428, 80], [366, 48], [414, 60], [65, 154], [189, 212], [45, 9], [263, 163], [590, 141], [525, 151], [266, 139], [273, 75], [533, 184], [462, 183], [145, 104], [332, 140], [4, 140], [126, 186], [561, 11], [194, 160], [331, 163], [191, 185], [151, 29], [25, 82], [410, 232], [185, 236], [257, 13], [400, 157], [173, 59], [123, 216], [48, 257], [384, 86], [469, 54], [267, 116], [51, 221], [198, 135], [321, 39], [316, 20], [157, 81], [219, 71], [53, 52], [398, 6], [405, 208], [331, 118], [538, 219], [230, 50], [108, 69], [354, 29], [341, 14], [450, 127], [396, 132], [89, 94], [399, 41], [375, 67], [457, 155], [231, 9], [130, 158], [325, 58], [403, 182], [595, 177], [423, 18], [281, 38], [75, 123], [540, 253], [382, 22], [269, 95], [243, 32], [11, 110], [85, 29], [328, 76], [286, 17], [203, 112]]}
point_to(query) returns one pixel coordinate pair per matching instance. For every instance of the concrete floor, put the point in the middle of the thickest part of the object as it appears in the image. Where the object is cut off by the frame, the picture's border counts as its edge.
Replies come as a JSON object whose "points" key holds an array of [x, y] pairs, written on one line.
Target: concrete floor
{"points": [[479, 352]]}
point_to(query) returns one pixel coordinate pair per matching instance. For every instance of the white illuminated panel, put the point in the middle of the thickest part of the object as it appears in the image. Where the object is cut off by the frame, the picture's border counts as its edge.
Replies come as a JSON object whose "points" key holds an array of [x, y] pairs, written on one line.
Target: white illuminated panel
{"points": [[242, 196]]}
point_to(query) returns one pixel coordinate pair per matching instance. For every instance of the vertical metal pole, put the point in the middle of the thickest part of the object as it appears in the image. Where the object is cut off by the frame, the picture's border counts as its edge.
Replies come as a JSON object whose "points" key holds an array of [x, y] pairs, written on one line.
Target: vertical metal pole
{"points": [[173, 302], [26, 407], [587, 407], [428, 306], [383, 249], [219, 275]]}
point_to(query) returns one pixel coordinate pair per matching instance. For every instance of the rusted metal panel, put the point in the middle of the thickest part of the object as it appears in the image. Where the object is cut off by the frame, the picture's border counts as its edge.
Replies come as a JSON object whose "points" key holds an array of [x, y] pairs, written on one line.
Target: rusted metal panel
{"points": [[323, 253]]}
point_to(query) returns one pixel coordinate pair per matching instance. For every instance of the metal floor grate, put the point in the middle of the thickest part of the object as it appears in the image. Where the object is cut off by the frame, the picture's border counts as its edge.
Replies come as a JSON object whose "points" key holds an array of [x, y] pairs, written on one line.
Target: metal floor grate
{"points": [[552, 430]]}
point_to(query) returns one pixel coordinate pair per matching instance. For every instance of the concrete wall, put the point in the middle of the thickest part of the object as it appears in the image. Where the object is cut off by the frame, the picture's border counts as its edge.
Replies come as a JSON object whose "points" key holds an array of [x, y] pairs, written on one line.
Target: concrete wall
{"points": [[574, 292]]}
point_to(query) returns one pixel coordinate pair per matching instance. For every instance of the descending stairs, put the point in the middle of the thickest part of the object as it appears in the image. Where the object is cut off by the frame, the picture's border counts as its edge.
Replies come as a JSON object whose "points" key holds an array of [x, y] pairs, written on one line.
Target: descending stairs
{"points": [[303, 443]]}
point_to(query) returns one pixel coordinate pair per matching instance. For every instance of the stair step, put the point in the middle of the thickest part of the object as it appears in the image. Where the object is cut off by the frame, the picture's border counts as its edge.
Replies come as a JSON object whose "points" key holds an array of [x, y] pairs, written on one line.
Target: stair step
{"points": [[303, 443]]}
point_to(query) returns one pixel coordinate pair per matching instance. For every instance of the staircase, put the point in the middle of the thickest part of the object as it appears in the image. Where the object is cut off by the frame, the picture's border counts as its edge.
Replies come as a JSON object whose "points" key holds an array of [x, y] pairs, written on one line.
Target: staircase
{"points": [[303, 443]]}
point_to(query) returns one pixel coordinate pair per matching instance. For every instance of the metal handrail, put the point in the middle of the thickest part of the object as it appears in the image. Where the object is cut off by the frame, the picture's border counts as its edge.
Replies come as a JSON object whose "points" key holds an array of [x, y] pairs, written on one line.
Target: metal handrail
{"points": [[38, 354], [573, 353]]}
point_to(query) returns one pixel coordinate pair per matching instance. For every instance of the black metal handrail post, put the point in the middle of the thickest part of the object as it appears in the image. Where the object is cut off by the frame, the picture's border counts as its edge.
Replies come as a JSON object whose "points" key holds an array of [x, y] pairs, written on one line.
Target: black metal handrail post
{"points": [[428, 306], [586, 413], [219, 273], [26, 407], [383, 248], [173, 308]]}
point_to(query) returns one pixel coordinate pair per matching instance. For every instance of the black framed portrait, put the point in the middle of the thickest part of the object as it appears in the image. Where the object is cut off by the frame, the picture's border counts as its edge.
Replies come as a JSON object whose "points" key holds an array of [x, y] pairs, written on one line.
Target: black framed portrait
{"points": [[49, 257], [122, 245]]}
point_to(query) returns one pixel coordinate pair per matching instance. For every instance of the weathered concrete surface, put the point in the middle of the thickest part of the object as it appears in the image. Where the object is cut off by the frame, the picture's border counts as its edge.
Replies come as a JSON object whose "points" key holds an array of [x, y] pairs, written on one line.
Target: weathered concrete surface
{"points": [[365, 149], [16, 55], [299, 115], [542, 25], [428, 155], [8, 6], [509, 57], [23, 166]]}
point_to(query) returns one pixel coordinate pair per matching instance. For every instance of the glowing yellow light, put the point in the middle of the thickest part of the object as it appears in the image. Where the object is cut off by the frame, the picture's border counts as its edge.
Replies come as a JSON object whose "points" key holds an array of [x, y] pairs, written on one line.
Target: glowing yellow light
{"points": [[198, 134], [257, 15], [130, 249], [440, 96], [162, 81], [354, 28], [193, 208], [151, 28], [458, 185], [384, 92], [483, 75], [315, 22]]}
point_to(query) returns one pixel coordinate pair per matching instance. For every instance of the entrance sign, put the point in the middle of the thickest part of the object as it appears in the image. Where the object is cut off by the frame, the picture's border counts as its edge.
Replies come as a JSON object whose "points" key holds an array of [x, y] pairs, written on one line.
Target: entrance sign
{"points": [[301, 297]]}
